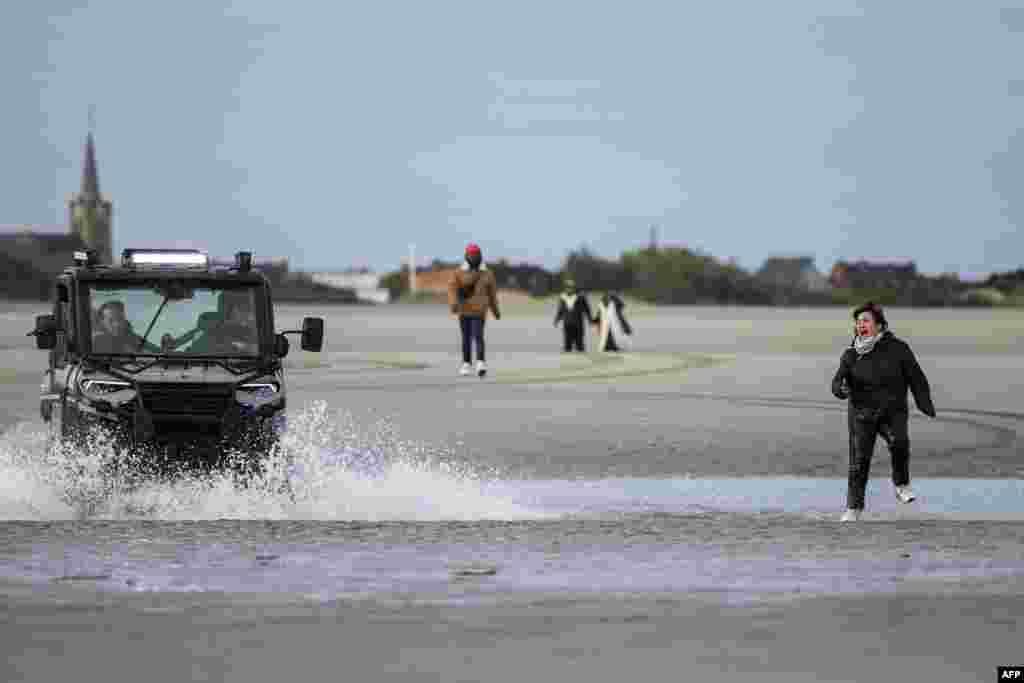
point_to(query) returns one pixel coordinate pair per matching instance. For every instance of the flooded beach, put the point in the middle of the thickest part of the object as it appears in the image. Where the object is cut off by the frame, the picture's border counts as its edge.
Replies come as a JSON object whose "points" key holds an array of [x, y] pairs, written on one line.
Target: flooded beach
{"points": [[677, 503]]}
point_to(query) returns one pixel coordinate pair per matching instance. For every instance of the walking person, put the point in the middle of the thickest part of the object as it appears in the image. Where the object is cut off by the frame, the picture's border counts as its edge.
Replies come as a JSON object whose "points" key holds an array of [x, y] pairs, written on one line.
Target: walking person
{"points": [[614, 330], [574, 313], [473, 291], [874, 375]]}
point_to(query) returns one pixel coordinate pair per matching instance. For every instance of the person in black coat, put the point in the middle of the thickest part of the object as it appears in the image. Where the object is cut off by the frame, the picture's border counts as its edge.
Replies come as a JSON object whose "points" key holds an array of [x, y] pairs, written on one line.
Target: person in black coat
{"points": [[874, 375], [574, 313]]}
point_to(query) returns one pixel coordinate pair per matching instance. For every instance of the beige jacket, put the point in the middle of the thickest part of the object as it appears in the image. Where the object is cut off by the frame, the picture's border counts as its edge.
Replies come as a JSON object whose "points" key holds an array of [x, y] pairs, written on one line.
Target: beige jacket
{"points": [[472, 292]]}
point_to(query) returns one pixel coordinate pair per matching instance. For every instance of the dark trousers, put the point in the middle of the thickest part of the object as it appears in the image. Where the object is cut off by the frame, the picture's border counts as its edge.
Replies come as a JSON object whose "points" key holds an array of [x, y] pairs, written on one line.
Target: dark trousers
{"points": [[866, 426], [472, 331], [572, 337]]}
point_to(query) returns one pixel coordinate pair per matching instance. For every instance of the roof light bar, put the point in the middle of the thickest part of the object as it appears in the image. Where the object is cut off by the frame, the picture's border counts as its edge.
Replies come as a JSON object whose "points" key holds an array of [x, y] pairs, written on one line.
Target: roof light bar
{"points": [[164, 258]]}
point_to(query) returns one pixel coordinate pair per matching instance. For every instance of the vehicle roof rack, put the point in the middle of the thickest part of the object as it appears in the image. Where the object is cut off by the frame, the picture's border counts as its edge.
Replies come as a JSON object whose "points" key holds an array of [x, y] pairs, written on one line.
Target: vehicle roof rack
{"points": [[164, 259]]}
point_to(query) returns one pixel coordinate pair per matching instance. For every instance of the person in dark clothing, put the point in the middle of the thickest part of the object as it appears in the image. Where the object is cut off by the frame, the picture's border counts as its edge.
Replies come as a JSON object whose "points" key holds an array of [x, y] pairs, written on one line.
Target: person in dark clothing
{"points": [[114, 333], [473, 291], [236, 332], [874, 375], [574, 313]]}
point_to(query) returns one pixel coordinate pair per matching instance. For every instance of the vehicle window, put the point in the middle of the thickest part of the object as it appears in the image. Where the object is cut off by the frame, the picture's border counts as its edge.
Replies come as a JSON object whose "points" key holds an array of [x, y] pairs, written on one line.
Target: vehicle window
{"points": [[187, 320]]}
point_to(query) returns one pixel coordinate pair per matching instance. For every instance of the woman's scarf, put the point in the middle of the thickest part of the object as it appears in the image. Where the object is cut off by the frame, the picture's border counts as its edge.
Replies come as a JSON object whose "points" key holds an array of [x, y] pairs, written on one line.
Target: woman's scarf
{"points": [[864, 345]]}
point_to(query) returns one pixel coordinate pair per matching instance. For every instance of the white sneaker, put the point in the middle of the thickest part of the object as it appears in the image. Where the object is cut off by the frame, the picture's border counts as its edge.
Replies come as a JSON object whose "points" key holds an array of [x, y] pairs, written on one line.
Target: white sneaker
{"points": [[481, 368], [904, 494], [465, 369], [851, 515]]}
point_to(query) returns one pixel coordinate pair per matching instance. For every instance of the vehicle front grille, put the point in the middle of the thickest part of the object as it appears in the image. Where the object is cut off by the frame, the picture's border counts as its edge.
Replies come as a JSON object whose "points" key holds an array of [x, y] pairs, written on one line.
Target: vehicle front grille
{"points": [[189, 399]]}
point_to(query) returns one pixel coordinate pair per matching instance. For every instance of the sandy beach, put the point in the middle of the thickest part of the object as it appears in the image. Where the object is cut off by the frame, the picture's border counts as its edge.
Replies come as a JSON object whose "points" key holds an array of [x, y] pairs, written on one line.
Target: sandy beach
{"points": [[665, 514]]}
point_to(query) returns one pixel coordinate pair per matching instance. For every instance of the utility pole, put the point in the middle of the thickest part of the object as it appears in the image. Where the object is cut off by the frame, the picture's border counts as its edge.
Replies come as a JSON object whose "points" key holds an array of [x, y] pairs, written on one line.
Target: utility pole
{"points": [[654, 237], [412, 268]]}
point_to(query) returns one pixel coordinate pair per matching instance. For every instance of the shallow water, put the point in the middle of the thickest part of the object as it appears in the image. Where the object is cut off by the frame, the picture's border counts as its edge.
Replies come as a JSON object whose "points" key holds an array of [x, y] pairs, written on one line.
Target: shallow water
{"points": [[954, 499], [367, 515]]}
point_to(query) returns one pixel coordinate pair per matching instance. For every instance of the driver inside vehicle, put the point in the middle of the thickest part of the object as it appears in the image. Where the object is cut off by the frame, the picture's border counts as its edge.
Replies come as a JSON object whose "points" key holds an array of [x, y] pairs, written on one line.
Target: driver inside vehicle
{"points": [[236, 332], [113, 333]]}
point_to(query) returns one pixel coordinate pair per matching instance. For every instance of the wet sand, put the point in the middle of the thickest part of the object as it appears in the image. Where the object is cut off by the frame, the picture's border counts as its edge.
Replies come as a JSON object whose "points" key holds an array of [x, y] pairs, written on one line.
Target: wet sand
{"points": [[927, 634], [713, 593]]}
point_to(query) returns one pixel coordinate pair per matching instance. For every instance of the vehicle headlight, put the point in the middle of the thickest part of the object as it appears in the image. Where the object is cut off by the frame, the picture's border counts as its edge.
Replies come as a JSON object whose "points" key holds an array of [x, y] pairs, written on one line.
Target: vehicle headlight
{"points": [[259, 390], [106, 388], [260, 387]]}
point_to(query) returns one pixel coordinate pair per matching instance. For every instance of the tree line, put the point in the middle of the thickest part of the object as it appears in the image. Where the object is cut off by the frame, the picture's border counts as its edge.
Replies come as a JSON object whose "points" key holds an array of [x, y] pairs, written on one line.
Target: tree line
{"points": [[678, 275]]}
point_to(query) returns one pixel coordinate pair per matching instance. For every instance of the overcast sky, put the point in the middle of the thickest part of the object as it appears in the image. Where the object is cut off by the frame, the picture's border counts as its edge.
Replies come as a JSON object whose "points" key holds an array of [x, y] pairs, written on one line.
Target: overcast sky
{"points": [[336, 134]]}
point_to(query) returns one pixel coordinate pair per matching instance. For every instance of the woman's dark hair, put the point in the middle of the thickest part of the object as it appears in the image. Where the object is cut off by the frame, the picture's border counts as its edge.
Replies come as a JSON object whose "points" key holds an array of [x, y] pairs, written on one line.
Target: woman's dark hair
{"points": [[875, 310]]}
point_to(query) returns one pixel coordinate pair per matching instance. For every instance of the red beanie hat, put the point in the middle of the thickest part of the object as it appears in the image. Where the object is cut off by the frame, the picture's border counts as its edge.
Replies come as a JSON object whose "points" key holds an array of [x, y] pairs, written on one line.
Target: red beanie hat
{"points": [[472, 248]]}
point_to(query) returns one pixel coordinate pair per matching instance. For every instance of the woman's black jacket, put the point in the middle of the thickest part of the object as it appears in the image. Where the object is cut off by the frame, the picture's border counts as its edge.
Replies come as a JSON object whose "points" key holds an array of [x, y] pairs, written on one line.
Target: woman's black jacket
{"points": [[880, 378]]}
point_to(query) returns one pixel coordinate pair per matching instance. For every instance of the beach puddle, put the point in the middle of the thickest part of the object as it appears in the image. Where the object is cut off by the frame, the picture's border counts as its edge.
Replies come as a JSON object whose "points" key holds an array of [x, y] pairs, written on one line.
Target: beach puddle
{"points": [[367, 515], [954, 499]]}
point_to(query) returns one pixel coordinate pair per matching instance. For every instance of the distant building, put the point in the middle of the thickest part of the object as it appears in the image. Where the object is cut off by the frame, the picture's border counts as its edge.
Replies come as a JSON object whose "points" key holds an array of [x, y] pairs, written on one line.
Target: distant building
{"points": [[31, 255], [45, 248], [865, 274], [797, 272], [366, 285], [90, 213], [435, 279]]}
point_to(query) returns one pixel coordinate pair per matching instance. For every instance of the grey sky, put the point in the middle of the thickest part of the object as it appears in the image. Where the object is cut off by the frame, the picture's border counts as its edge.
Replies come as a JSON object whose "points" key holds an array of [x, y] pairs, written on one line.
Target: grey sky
{"points": [[337, 133]]}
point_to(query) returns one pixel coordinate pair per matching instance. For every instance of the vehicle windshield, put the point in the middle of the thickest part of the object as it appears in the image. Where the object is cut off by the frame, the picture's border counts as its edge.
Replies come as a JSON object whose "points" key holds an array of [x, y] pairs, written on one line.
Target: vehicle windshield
{"points": [[174, 317]]}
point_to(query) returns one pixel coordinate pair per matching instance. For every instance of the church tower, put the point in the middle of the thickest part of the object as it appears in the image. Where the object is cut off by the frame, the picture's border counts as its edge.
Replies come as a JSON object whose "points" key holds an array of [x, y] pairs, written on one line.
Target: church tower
{"points": [[89, 212]]}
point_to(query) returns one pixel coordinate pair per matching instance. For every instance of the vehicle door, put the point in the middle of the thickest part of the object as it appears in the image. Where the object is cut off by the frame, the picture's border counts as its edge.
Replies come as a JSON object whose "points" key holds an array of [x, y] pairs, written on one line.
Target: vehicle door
{"points": [[63, 358]]}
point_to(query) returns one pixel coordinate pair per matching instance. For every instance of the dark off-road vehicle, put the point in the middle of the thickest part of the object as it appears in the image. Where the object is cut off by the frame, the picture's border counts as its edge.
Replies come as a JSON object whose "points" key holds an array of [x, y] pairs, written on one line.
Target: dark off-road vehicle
{"points": [[174, 358]]}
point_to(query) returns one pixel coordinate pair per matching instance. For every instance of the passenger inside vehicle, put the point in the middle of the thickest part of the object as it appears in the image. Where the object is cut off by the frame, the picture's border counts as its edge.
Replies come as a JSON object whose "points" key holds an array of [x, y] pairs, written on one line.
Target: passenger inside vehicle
{"points": [[112, 332]]}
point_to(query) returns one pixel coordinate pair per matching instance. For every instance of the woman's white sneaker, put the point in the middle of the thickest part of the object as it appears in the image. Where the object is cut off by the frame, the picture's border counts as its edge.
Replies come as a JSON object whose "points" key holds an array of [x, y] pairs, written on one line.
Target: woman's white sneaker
{"points": [[851, 515], [904, 494], [465, 369], [481, 368]]}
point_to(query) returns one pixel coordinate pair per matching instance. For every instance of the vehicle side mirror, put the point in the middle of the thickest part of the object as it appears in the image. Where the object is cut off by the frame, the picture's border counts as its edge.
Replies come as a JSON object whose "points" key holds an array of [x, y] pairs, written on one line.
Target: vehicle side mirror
{"points": [[312, 334], [281, 345], [45, 332]]}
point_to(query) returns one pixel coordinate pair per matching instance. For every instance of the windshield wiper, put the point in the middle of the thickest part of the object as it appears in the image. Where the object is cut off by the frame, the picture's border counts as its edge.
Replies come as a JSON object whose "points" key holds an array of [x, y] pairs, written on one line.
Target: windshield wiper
{"points": [[153, 322]]}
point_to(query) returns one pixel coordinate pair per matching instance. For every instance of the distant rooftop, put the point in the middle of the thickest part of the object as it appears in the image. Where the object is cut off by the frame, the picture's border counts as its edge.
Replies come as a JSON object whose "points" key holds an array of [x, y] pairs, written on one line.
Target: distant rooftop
{"points": [[18, 228], [967, 276], [885, 261]]}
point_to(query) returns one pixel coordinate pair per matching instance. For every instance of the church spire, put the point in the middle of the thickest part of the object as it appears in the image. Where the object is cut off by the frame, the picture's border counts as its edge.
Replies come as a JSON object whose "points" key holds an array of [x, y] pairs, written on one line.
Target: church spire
{"points": [[89, 213], [90, 179]]}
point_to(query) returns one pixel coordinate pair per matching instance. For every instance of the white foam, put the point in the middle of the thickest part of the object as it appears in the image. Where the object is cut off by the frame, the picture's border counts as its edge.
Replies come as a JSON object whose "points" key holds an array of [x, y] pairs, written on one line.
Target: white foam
{"points": [[24, 492], [327, 468]]}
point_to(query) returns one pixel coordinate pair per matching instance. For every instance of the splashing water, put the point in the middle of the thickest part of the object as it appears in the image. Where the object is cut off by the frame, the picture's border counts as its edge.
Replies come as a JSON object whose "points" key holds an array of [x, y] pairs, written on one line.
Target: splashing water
{"points": [[327, 467]]}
